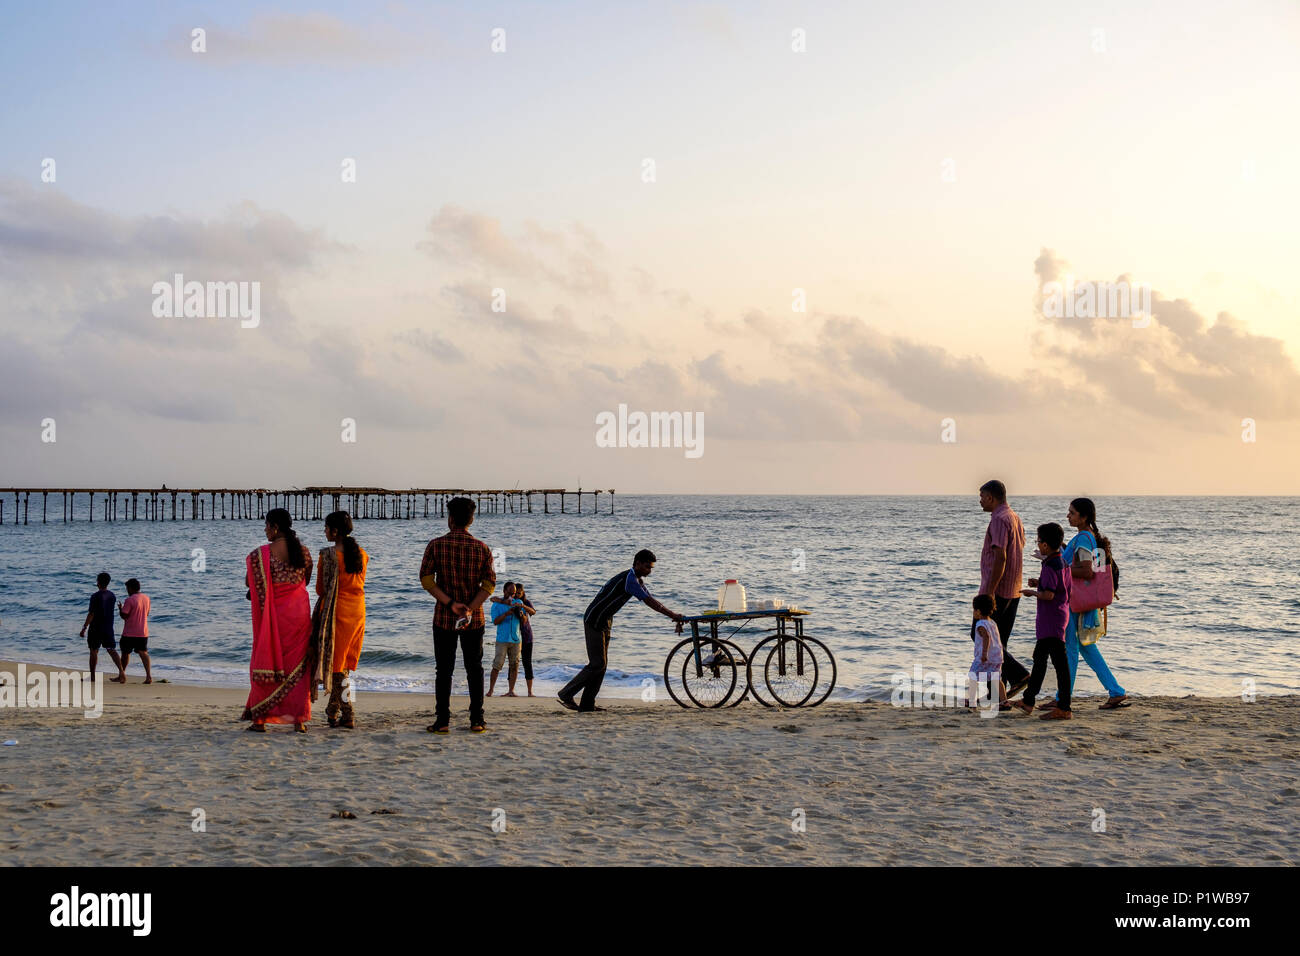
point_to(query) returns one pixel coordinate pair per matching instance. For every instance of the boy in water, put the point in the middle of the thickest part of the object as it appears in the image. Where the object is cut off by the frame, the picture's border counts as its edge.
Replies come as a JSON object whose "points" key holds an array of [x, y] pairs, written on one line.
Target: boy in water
{"points": [[1052, 589], [987, 665], [505, 613], [99, 620], [135, 630]]}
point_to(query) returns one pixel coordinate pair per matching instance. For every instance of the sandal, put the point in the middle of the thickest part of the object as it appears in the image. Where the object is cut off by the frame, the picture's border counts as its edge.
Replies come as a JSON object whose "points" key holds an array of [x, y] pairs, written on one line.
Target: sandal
{"points": [[1115, 703], [256, 728]]}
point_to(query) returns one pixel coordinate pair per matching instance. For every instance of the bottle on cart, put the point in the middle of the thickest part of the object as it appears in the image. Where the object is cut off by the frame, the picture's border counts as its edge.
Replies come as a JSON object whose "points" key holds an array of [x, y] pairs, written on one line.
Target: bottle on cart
{"points": [[731, 597]]}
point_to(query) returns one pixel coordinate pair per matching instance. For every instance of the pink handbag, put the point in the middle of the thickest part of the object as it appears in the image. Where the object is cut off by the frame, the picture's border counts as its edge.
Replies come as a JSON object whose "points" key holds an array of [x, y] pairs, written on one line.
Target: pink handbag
{"points": [[1090, 595]]}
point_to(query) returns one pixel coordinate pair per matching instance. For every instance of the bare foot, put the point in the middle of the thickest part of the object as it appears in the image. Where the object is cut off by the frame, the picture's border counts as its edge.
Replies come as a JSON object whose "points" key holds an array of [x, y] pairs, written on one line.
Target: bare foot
{"points": [[147, 680], [509, 693], [489, 693], [119, 679]]}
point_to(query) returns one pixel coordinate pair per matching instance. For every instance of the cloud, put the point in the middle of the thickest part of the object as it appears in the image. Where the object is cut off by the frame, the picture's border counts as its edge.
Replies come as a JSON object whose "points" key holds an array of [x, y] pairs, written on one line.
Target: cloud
{"points": [[926, 375], [476, 242], [296, 39], [432, 343], [711, 21], [1180, 366], [41, 225], [753, 325], [76, 292], [474, 303]]}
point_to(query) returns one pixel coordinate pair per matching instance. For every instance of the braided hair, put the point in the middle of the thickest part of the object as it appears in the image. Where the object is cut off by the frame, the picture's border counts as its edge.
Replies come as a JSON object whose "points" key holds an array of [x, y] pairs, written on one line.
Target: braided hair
{"points": [[341, 523], [1088, 511], [282, 521]]}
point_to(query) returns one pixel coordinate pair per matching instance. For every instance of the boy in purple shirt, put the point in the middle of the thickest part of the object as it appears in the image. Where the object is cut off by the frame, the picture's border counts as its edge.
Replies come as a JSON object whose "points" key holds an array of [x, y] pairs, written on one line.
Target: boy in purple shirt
{"points": [[1052, 588]]}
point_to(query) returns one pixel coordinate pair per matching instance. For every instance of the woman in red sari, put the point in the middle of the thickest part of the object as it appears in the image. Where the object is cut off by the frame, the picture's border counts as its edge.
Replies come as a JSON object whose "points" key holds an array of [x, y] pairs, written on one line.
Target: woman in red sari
{"points": [[281, 668]]}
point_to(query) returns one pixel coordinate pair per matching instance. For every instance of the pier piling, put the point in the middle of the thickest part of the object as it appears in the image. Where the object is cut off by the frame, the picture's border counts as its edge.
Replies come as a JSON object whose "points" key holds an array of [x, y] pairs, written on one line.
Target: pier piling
{"points": [[305, 504]]}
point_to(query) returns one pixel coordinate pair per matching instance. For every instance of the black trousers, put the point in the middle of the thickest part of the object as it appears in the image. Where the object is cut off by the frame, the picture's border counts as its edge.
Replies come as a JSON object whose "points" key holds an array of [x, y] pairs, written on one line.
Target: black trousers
{"points": [[527, 653], [1004, 615], [589, 679], [1054, 648], [444, 655]]}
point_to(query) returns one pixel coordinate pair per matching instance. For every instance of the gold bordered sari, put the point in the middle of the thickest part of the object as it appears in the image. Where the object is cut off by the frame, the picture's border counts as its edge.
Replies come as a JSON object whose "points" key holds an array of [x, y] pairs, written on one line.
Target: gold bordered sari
{"points": [[322, 620], [280, 667]]}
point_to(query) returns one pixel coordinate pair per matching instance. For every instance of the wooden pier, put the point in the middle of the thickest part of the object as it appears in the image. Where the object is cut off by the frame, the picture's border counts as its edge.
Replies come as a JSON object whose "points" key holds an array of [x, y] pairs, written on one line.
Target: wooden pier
{"points": [[209, 504]]}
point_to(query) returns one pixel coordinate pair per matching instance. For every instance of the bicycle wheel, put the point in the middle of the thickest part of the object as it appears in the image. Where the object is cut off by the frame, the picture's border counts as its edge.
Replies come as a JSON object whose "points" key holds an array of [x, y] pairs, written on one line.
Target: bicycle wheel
{"points": [[709, 674], [756, 661], [790, 671], [826, 670], [744, 683], [673, 673]]}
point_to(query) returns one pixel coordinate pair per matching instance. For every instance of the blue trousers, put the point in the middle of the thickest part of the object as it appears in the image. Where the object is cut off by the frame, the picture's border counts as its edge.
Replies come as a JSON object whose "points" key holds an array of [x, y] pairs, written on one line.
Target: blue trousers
{"points": [[1091, 654]]}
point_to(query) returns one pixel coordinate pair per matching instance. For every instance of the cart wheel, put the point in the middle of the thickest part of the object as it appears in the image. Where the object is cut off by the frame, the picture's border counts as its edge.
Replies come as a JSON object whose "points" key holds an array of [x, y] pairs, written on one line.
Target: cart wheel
{"points": [[744, 682], [756, 680], [827, 672], [673, 672], [709, 675], [791, 671]]}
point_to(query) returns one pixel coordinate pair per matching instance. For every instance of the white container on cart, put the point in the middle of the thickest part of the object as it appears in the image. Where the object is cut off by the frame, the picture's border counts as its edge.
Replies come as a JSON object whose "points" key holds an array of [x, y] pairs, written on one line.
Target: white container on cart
{"points": [[731, 597]]}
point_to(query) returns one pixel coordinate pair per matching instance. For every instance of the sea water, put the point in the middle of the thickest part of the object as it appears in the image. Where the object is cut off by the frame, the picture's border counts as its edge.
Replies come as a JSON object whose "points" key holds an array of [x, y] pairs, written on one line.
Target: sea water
{"points": [[1207, 604]]}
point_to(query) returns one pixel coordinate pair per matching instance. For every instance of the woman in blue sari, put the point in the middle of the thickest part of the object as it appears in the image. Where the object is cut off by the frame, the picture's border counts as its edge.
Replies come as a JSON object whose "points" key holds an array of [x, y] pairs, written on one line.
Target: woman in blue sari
{"points": [[1078, 554]]}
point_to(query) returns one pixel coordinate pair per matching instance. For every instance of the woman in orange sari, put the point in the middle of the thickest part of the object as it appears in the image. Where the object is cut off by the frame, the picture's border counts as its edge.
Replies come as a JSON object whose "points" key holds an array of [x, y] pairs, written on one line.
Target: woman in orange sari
{"points": [[281, 668], [339, 622]]}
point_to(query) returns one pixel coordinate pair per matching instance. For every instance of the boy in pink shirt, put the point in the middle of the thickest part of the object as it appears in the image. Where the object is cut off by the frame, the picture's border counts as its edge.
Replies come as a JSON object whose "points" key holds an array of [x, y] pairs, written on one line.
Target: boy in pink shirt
{"points": [[135, 630]]}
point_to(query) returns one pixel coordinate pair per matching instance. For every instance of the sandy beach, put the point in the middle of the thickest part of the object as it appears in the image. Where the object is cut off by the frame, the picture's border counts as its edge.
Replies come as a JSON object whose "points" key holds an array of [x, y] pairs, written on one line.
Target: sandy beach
{"points": [[1180, 781]]}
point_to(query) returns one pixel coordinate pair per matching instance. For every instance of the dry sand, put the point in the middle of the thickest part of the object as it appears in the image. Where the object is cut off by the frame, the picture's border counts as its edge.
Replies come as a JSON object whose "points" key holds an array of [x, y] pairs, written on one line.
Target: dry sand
{"points": [[1191, 780]]}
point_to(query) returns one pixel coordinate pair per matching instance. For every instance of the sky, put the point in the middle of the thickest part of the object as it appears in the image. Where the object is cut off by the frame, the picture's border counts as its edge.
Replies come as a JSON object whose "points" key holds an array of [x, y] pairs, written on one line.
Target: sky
{"points": [[828, 231]]}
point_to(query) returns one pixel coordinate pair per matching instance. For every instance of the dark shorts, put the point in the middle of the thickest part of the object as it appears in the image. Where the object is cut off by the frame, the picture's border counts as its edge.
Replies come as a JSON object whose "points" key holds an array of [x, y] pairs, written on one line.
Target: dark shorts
{"points": [[107, 642], [135, 645]]}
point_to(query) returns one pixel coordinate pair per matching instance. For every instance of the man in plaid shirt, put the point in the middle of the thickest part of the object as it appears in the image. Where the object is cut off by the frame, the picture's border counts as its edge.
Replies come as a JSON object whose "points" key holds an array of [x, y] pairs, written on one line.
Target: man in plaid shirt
{"points": [[457, 570]]}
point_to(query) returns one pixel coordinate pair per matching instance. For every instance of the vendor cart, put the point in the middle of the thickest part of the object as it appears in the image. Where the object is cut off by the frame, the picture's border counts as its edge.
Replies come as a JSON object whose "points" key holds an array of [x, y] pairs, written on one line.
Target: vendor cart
{"points": [[785, 668]]}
